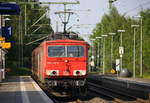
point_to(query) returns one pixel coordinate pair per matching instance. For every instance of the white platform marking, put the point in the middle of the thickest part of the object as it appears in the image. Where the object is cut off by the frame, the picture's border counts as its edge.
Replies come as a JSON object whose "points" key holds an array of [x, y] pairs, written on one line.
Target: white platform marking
{"points": [[25, 98]]}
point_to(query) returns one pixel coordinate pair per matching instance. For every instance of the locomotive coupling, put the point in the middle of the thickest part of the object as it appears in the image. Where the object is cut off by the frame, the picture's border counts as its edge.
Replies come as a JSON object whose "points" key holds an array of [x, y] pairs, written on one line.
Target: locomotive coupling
{"points": [[80, 82], [52, 83]]}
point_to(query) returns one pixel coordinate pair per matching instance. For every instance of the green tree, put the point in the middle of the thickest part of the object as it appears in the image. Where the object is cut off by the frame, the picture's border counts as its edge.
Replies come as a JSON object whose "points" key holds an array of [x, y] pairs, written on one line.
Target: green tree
{"points": [[20, 52], [146, 40], [114, 21]]}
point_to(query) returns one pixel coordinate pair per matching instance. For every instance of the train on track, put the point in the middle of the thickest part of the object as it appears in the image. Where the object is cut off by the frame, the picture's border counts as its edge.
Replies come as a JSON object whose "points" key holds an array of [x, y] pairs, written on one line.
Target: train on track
{"points": [[61, 63]]}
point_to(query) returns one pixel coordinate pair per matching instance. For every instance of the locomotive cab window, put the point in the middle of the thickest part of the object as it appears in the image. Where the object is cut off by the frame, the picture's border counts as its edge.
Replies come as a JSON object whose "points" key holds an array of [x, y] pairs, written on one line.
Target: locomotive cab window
{"points": [[56, 51], [66, 51], [75, 51]]}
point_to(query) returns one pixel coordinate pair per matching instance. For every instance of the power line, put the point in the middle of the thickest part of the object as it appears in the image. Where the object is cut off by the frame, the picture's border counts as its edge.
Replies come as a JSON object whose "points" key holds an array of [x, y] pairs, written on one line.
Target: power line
{"points": [[36, 40], [77, 2], [141, 5]]}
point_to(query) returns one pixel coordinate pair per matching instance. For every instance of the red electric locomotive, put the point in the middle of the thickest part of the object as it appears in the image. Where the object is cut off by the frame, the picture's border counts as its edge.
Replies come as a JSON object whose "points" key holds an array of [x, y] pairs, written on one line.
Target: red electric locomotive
{"points": [[61, 63]]}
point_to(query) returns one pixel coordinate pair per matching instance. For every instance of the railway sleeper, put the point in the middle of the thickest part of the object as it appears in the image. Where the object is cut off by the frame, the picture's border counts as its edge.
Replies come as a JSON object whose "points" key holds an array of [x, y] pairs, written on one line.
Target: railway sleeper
{"points": [[129, 91]]}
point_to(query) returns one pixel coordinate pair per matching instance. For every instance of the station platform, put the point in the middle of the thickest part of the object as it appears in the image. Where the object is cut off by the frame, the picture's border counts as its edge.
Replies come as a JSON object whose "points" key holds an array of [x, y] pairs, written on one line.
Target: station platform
{"points": [[134, 83], [140, 80], [129, 79], [140, 83], [22, 89]]}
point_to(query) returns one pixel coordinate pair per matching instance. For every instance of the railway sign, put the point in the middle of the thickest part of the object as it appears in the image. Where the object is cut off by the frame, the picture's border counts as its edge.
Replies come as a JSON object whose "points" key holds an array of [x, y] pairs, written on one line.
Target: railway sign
{"points": [[117, 65], [9, 9], [6, 32], [2, 39], [121, 50], [5, 45], [92, 63]]}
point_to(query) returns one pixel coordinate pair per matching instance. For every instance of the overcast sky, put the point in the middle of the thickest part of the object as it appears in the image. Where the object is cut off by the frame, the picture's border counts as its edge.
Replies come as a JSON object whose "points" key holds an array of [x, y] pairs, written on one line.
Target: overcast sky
{"points": [[90, 12]]}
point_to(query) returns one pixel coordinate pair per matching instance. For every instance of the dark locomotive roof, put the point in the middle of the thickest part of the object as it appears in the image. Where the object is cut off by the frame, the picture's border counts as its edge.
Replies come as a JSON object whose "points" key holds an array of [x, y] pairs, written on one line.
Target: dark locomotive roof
{"points": [[61, 35], [66, 40]]}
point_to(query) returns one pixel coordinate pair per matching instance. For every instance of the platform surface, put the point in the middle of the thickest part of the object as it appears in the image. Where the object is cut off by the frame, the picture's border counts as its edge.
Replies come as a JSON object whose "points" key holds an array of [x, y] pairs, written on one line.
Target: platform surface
{"points": [[141, 80], [138, 80], [22, 89]]}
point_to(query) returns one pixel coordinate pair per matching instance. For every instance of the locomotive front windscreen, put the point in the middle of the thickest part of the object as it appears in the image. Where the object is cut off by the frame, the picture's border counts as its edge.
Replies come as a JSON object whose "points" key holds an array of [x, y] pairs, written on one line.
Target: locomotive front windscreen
{"points": [[66, 51]]}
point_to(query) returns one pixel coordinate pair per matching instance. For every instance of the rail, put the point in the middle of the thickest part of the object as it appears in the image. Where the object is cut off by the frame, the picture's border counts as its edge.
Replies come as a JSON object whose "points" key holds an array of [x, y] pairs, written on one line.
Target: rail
{"points": [[134, 90], [116, 96]]}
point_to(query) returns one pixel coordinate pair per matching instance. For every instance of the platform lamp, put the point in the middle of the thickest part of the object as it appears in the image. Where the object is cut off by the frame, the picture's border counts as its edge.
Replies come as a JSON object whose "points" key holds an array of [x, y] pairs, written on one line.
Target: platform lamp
{"points": [[121, 47], [0, 48], [99, 48], [5, 19], [92, 57], [134, 28], [104, 36], [112, 39], [110, 3], [141, 44], [3, 57]]}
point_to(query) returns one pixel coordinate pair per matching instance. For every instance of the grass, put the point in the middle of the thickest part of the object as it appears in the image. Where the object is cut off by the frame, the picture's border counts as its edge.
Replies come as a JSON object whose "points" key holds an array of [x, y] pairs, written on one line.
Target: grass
{"points": [[147, 76]]}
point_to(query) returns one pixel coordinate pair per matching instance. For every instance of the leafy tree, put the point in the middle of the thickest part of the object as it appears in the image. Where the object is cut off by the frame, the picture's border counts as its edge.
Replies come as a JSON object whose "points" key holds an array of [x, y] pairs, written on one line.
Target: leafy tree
{"points": [[20, 53], [114, 21], [146, 40]]}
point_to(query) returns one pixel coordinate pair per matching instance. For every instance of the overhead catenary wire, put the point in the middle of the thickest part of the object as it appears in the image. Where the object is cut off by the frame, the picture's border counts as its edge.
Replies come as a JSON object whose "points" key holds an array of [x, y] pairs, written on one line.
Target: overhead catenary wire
{"points": [[36, 30], [140, 5], [47, 12], [36, 40], [38, 20]]}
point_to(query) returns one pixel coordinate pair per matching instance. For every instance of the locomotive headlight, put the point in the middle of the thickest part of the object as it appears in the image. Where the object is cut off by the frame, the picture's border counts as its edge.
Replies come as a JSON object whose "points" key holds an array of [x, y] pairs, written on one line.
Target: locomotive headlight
{"points": [[47, 72], [79, 72], [52, 72], [83, 72]]}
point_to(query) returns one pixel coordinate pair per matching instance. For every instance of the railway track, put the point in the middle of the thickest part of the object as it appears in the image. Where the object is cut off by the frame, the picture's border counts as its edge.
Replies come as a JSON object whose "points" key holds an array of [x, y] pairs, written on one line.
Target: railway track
{"points": [[89, 98], [115, 96], [97, 94]]}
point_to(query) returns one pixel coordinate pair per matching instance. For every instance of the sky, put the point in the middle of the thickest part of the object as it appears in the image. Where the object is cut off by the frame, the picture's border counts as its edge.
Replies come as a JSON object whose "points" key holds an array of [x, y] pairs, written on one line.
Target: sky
{"points": [[89, 12]]}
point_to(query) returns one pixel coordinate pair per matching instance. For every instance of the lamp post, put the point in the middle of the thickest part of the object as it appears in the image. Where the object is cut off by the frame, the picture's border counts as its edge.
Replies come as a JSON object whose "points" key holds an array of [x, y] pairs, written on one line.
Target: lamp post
{"points": [[134, 27], [121, 47], [104, 36], [112, 35], [141, 45], [92, 61], [2, 53], [98, 54], [110, 3], [0, 48]]}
